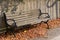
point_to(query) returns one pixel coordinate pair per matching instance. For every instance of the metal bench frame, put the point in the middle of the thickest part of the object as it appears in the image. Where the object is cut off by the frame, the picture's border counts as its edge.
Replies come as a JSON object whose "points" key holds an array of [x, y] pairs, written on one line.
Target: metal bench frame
{"points": [[15, 26]]}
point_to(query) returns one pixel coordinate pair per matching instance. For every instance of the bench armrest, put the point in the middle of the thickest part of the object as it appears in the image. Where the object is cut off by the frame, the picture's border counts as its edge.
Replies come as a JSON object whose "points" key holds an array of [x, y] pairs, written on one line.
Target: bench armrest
{"points": [[13, 24]]}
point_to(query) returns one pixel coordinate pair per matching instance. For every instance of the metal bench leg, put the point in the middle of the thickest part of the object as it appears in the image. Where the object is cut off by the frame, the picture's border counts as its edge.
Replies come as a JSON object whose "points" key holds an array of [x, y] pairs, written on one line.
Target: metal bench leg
{"points": [[12, 31], [46, 23], [5, 20], [7, 25]]}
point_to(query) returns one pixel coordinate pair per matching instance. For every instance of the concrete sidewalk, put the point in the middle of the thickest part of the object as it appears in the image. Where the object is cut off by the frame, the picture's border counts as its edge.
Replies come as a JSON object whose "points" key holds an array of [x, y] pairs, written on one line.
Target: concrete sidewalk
{"points": [[53, 34]]}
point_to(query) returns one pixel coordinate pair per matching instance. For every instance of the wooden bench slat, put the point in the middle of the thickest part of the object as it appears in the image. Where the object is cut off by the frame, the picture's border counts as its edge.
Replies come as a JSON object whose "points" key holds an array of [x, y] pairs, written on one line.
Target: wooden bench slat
{"points": [[27, 12], [22, 20], [26, 22], [21, 16]]}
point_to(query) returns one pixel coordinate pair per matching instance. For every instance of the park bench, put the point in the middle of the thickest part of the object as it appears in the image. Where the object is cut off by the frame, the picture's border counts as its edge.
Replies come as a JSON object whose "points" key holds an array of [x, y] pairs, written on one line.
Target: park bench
{"points": [[30, 17]]}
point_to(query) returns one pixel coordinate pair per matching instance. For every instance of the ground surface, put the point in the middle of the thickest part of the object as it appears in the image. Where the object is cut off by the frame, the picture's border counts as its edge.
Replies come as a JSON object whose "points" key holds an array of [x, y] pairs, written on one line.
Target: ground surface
{"points": [[38, 32]]}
